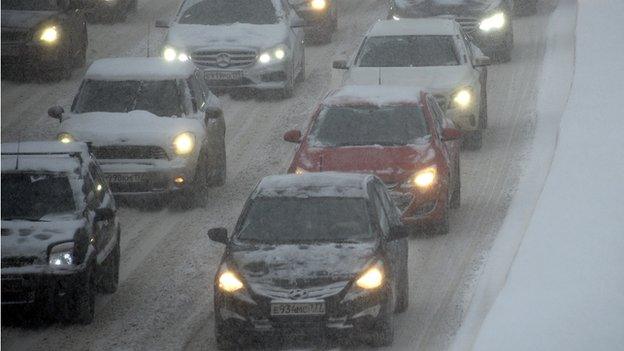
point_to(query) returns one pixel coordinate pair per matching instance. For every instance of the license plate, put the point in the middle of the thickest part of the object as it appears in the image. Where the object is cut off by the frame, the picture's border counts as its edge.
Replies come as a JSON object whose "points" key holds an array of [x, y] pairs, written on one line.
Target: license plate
{"points": [[298, 309], [124, 178], [223, 75]]}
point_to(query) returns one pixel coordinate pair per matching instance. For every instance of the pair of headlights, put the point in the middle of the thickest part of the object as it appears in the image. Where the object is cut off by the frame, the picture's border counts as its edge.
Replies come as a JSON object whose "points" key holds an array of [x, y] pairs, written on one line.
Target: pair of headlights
{"points": [[171, 54], [62, 255], [183, 143], [277, 54], [371, 279]]}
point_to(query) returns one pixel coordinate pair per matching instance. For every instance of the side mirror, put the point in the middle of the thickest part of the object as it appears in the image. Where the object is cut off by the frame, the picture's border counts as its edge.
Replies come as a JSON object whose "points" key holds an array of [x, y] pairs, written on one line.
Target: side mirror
{"points": [[482, 61], [56, 112], [398, 232], [449, 134], [340, 64], [297, 22], [219, 235], [162, 24], [104, 214], [293, 136]]}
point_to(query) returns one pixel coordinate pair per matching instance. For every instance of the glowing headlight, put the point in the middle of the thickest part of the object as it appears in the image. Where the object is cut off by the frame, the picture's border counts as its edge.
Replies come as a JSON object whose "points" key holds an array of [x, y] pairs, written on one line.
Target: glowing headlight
{"points": [[396, 17], [184, 143], [62, 255], [65, 138], [371, 279], [318, 4], [264, 58], [278, 54], [229, 282], [49, 35], [425, 178], [170, 54], [494, 22], [300, 171], [463, 98]]}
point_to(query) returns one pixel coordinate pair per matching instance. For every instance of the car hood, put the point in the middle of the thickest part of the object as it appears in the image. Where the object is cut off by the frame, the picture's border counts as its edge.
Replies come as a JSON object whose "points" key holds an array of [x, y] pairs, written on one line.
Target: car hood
{"points": [[233, 36], [390, 164], [132, 128], [435, 79], [461, 8], [268, 267], [32, 239], [25, 19]]}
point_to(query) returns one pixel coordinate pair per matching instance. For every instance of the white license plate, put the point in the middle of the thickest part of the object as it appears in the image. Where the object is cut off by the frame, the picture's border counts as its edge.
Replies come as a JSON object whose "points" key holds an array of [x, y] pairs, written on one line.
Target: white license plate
{"points": [[124, 178], [297, 308], [223, 75]]}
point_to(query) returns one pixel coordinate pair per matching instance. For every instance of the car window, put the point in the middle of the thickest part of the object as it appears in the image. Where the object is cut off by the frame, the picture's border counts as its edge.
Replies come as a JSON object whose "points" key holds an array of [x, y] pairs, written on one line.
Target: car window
{"points": [[437, 114], [408, 51], [196, 93], [100, 184], [384, 222], [31, 196], [388, 204]]}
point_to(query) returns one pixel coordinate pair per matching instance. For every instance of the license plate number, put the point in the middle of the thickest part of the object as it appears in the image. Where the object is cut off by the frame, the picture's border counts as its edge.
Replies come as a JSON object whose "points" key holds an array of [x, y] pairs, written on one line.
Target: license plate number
{"points": [[124, 178], [223, 75], [298, 309]]}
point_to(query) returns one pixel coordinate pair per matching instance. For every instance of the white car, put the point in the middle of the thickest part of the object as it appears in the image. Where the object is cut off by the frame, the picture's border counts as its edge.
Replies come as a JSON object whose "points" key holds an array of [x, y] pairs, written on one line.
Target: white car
{"points": [[431, 53], [153, 125], [239, 43]]}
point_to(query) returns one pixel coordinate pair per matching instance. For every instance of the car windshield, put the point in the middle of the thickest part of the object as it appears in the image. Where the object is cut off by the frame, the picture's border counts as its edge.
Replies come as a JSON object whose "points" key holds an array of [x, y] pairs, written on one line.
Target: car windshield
{"points": [[31, 196], [408, 51], [351, 126], [220, 12], [283, 220], [162, 98], [29, 5]]}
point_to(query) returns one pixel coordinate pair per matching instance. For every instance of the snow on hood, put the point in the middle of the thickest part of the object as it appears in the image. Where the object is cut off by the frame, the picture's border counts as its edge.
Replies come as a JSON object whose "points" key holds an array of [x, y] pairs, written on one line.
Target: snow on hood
{"points": [[232, 36], [301, 265], [32, 239], [443, 79], [25, 19], [133, 128], [426, 8]]}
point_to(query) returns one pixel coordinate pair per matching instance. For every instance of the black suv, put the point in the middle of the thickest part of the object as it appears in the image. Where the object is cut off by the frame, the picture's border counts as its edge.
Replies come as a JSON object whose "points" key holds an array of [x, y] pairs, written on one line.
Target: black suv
{"points": [[47, 36], [313, 253], [60, 233]]}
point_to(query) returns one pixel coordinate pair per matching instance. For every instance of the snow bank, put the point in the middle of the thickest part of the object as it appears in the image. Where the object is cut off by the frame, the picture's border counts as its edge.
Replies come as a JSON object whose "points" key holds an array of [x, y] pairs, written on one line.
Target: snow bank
{"points": [[565, 288]]}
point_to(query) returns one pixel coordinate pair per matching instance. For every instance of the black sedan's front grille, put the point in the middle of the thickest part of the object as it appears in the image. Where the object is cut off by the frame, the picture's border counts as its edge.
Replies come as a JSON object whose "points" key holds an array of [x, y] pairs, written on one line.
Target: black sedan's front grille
{"points": [[224, 58], [14, 36], [130, 153]]}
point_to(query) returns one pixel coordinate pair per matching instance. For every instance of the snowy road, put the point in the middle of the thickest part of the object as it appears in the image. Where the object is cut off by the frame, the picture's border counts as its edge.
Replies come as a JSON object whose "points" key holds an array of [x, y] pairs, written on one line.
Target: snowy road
{"points": [[168, 263]]}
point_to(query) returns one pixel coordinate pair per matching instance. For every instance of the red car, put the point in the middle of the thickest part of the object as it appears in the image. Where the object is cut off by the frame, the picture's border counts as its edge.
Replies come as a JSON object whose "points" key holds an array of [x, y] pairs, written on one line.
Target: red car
{"points": [[400, 134]]}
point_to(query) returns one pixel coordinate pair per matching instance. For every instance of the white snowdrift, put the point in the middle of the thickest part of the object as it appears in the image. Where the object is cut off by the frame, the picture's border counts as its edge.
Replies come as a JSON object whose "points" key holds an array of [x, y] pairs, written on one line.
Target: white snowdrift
{"points": [[565, 288]]}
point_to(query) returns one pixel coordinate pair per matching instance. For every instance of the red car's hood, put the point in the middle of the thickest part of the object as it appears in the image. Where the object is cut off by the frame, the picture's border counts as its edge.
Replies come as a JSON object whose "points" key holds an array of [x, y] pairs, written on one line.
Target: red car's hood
{"points": [[390, 164]]}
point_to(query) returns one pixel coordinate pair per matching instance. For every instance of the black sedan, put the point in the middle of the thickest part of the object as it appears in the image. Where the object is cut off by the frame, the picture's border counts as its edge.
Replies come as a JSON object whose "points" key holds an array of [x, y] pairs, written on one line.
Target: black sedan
{"points": [[318, 253]]}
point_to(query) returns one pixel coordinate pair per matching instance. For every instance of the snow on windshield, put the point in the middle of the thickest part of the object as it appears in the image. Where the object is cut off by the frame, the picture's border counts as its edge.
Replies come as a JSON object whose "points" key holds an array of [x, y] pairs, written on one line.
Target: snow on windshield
{"points": [[408, 51], [219, 12]]}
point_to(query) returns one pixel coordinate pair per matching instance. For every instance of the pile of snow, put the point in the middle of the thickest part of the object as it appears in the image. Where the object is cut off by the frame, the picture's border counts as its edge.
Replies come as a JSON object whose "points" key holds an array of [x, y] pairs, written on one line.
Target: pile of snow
{"points": [[376, 95], [322, 184], [565, 288], [138, 68]]}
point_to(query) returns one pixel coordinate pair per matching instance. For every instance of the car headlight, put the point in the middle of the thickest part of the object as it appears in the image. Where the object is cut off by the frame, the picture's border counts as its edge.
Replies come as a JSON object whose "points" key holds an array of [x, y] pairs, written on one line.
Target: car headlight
{"points": [[62, 255], [463, 98], [171, 54], [372, 278], [65, 138], [183, 144], [318, 5], [278, 53], [396, 17], [425, 178], [49, 35], [494, 22], [229, 282], [300, 171]]}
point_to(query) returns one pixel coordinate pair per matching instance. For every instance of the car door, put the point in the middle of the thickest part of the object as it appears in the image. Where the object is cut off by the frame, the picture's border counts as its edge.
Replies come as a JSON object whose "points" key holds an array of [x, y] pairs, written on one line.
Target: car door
{"points": [[105, 232]]}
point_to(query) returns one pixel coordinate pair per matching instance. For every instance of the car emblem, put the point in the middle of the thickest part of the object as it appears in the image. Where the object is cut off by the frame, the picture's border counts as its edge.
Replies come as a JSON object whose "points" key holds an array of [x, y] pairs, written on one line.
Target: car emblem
{"points": [[224, 60], [297, 294]]}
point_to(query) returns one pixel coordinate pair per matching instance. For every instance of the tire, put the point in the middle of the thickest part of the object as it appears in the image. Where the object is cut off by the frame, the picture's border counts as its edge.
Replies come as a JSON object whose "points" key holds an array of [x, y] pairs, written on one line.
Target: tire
{"points": [[81, 307], [383, 334], [218, 168], [288, 90], [133, 6], [474, 140], [109, 279], [403, 290], [483, 111], [504, 55], [226, 339], [456, 196], [81, 59], [443, 227]]}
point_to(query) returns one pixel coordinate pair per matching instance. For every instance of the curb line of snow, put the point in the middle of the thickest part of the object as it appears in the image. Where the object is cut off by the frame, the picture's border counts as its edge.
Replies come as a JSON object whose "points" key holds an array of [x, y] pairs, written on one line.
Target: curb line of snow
{"points": [[555, 86]]}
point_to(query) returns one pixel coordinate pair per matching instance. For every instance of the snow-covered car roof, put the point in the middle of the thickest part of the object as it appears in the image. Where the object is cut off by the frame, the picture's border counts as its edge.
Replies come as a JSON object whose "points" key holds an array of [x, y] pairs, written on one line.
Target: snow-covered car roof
{"points": [[324, 184], [415, 26], [378, 95], [139, 68], [46, 156]]}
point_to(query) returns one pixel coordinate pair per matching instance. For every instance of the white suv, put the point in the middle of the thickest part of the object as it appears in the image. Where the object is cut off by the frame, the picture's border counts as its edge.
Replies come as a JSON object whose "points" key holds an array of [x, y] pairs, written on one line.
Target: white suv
{"points": [[153, 125], [432, 53]]}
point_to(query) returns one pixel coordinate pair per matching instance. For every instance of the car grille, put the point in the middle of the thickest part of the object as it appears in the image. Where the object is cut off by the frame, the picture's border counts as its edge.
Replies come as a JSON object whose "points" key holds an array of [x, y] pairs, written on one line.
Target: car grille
{"points": [[14, 36], [130, 152], [17, 261], [469, 24], [223, 59]]}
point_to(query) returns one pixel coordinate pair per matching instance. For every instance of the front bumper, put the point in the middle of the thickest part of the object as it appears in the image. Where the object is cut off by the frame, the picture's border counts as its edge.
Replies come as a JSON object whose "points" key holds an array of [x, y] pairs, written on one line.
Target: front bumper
{"points": [[145, 177], [419, 207], [252, 317], [39, 284], [257, 76], [31, 54], [492, 42]]}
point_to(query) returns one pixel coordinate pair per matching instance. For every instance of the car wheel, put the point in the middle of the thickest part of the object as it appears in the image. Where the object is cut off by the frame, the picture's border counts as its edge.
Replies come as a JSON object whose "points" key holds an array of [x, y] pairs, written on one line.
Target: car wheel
{"points": [[133, 6], [504, 55], [218, 167], [287, 91], [226, 338], [109, 280], [483, 110], [456, 196], [443, 227], [403, 290], [526, 8], [81, 307], [81, 59], [474, 140], [383, 333], [301, 75]]}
